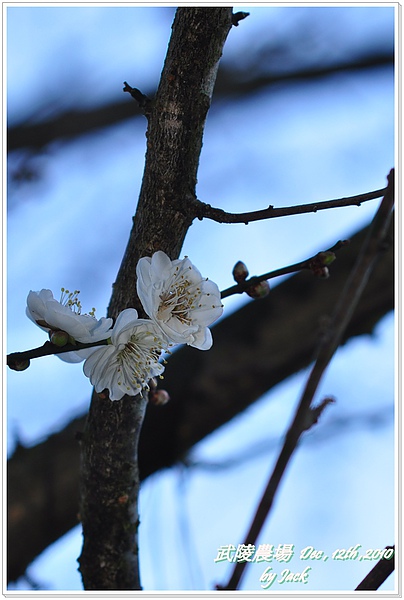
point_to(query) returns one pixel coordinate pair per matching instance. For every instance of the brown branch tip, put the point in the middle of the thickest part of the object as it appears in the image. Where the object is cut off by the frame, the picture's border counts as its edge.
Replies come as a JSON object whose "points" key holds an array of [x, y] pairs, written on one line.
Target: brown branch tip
{"points": [[238, 16], [142, 100]]}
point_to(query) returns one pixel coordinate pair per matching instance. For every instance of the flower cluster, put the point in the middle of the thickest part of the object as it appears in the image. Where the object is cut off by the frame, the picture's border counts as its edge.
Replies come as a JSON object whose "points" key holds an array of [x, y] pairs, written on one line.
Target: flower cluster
{"points": [[179, 302]]}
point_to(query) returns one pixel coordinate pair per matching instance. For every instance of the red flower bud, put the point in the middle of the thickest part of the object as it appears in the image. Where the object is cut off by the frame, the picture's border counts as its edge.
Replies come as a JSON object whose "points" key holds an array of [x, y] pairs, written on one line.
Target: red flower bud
{"points": [[20, 365], [159, 397], [258, 290], [240, 272]]}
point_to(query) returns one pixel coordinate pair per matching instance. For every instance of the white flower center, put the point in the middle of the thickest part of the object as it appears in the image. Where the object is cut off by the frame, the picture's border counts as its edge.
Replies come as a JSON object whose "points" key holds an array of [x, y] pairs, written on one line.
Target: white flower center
{"points": [[179, 300], [137, 358]]}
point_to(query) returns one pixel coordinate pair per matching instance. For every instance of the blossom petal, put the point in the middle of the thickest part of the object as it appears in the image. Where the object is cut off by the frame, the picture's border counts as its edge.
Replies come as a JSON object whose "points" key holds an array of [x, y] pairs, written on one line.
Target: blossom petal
{"points": [[124, 321], [202, 339], [96, 366], [51, 315], [144, 284], [160, 263], [101, 330], [36, 305], [78, 356]]}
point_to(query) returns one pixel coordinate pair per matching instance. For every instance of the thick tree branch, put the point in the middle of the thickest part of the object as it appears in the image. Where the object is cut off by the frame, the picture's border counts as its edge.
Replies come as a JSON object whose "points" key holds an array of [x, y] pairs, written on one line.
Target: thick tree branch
{"points": [[238, 83], [43, 480], [109, 492], [342, 314], [174, 141], [109, 559]]}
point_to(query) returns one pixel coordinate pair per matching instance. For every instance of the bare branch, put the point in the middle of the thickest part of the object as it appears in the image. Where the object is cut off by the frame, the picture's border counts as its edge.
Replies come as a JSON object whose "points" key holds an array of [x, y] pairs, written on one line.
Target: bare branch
{"points": [[230, 83], [347, 303], [237, 17], [309, 263], [142, 100], [378, 574], [315, 412], [206, 211]]}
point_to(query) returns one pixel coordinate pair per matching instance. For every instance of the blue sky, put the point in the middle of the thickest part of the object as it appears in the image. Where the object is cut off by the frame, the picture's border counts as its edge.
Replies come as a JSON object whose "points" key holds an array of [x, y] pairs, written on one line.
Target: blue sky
{"points": [[293, 144]]}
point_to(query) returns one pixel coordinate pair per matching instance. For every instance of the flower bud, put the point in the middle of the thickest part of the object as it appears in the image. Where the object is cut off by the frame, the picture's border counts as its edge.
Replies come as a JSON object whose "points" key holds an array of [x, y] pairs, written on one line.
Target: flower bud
{"points": [[59, 338], [159, 397], [325, 258], [258, 290], [20, 365], [240, 272], [320, 261], [321, 272]]}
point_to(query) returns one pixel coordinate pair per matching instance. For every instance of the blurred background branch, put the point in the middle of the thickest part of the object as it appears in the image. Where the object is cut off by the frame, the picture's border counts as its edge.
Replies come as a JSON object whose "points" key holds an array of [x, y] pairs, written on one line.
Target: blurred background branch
{"points": [[231, 84]]}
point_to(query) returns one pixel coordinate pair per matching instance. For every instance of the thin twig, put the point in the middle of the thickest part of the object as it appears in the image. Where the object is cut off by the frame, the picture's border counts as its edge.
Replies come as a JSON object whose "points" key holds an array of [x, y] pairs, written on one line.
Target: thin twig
{"points": [[346, 305], [241, 287], [17, 358], [143, 101], [206, 211], [238, 16]]}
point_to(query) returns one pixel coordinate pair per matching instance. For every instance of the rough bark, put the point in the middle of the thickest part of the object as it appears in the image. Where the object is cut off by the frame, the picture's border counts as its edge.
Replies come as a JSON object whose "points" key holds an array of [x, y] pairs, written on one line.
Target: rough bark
{"points": [[110, 488], [43, 480], [174, 142], [109, 476]]}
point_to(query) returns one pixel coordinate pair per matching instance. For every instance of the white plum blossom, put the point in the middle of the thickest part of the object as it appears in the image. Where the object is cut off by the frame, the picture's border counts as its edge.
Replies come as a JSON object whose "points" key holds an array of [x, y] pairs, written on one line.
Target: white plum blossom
{"points": [[178, 299], [131, 358], [180, 304], [51, 315]]}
